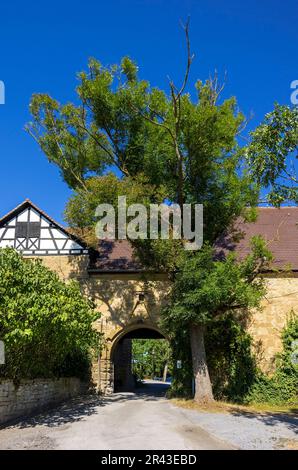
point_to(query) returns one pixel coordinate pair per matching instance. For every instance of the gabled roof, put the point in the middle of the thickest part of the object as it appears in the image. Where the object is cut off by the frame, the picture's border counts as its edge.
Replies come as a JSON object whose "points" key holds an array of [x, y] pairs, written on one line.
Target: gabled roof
{"points": [[28, 203]]}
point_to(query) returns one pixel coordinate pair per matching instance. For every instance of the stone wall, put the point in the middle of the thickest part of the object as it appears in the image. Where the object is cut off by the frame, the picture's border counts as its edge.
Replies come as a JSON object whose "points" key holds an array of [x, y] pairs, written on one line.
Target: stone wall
{"points": [[67, 267], [32, 396], [266, 324]]}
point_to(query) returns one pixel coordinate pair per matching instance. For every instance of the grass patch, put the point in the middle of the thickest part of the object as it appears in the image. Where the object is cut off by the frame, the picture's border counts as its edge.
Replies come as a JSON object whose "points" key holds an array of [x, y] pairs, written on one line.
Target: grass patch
{"points": [[225, 407]]}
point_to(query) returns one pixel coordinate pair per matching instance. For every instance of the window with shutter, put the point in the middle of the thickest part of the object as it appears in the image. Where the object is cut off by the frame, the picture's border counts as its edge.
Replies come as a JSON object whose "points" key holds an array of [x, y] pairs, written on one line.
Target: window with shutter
{"points": [[34, 230], [21, 230], [27, 229]]}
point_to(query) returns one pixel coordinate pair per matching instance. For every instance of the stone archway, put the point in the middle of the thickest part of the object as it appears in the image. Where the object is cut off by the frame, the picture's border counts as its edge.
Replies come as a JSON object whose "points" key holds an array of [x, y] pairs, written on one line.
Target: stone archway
{"points": [[121, 356], [115, 359]]}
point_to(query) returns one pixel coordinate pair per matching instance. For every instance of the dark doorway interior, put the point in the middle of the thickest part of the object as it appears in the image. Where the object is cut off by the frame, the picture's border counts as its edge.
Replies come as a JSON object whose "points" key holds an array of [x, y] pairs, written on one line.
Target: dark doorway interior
{"points": [[124, 380]]}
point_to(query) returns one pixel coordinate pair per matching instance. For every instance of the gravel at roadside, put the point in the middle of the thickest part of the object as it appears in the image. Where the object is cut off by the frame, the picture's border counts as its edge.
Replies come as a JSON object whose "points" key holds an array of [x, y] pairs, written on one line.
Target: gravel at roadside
{"points": [[250, 430]]}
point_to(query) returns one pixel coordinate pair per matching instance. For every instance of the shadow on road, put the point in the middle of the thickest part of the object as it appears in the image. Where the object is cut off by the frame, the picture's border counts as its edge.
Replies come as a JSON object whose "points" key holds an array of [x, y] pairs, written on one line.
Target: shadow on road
{"points": [[79, 408], [152, 389], [271, 418]]}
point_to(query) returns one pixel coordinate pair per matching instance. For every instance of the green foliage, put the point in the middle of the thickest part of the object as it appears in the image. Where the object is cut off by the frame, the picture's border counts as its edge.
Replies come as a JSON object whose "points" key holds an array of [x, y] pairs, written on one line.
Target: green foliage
{"points": [[150, 357], [272, 154], [277, 390], [282, 386], [232, 365], [205, 289], [46, 325], [80, 210], [181, 385], [214, 293]]}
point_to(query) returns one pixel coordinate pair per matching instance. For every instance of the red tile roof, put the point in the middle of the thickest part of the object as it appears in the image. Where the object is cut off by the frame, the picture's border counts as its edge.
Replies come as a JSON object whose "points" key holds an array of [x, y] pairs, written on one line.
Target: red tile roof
{"points": [[115, 256], [279, 227]]}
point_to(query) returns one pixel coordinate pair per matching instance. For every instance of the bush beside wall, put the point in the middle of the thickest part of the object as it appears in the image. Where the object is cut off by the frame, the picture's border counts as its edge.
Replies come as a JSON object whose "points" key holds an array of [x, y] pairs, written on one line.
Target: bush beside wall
{"points": [[282, 386]]}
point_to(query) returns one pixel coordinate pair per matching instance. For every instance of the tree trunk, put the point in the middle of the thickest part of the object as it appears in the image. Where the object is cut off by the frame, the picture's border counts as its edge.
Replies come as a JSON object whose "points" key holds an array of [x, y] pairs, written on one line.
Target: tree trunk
{"points": [[203, 388], [165, 372]]}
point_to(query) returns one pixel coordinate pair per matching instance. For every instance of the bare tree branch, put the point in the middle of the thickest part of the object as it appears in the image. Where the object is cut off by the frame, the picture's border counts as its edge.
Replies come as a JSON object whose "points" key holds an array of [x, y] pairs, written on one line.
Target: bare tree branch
{"points": [[244, 125], [190, 58]]}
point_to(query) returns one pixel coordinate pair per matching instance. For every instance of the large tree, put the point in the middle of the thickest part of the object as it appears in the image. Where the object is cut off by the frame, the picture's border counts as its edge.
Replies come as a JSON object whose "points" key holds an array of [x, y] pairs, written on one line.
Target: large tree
{"points": [[205, 291], [173, 147]]}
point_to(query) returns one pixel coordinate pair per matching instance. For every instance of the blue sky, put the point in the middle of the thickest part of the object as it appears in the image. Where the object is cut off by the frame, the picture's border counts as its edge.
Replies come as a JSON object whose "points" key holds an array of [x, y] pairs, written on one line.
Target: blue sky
{"points": [[44, 44]]}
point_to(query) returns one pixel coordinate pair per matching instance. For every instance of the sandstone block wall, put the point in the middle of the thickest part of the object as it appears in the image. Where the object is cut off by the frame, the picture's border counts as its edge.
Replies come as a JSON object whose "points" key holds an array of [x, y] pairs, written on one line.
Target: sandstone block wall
{"points": [[267, 324], [32, 396], [67, 267]]}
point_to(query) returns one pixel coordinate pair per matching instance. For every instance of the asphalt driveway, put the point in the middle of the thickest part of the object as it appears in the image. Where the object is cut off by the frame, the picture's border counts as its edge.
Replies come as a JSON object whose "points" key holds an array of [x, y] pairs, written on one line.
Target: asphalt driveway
{"points": [[145, 420]]}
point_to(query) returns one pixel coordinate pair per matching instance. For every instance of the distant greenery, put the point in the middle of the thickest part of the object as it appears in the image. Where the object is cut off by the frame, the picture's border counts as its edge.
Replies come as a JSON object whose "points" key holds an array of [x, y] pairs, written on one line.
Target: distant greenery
{"points": [[282, 386], [46, 325], [150, 357]]}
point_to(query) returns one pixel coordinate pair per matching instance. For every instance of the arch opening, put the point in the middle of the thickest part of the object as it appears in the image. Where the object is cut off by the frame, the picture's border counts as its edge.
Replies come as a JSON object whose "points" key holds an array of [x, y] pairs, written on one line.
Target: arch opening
{"points": [[141, 361]]}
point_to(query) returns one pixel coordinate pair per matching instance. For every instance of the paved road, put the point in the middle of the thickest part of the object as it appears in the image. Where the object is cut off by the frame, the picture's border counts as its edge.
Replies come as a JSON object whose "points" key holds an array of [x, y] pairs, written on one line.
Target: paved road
{"points": [[145, 420]]}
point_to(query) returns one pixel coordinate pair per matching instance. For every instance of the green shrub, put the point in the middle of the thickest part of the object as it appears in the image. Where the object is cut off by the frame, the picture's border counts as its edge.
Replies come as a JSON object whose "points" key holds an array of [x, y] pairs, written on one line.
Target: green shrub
{"points": [[232, 365], [46, 325], [278, 389]]}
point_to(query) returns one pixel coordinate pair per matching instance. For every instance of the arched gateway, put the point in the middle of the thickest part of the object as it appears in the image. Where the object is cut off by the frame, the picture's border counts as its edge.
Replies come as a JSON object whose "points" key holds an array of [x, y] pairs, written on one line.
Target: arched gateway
{"points": [[130, 300], [116, 359]]}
